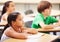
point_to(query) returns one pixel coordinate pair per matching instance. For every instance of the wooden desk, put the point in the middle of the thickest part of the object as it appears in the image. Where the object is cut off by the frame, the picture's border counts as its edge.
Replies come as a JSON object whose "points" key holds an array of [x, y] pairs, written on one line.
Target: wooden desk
{"points": [[2, 23], [45, 38], [49, 30]]}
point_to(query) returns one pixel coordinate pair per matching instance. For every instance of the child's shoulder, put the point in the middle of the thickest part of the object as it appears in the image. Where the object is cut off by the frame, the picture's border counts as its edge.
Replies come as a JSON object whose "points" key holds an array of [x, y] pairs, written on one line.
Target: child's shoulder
{"points": [[8, 29], [4, 14]]}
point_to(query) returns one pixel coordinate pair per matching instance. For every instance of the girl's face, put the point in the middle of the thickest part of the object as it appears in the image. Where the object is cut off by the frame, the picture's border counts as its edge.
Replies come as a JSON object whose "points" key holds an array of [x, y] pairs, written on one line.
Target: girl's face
{"points": [[19, 21], [11, 7], [47, 11]]}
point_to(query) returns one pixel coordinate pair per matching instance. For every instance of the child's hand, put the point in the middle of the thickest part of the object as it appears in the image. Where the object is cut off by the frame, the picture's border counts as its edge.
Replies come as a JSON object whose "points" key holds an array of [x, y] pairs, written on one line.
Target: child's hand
{"points": [[49, 27], [32, 31]]}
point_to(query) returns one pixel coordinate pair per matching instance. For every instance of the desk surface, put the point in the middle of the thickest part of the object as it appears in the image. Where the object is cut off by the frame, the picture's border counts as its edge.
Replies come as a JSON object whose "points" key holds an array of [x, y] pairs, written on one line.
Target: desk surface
{"points": [[3, 23], [49, 30], [45, 38]]}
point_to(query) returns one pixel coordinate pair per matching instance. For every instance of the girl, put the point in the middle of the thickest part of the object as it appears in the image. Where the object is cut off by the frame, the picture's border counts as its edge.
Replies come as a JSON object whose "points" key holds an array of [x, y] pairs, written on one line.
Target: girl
{"points": [[8, 8], [16, 28]]}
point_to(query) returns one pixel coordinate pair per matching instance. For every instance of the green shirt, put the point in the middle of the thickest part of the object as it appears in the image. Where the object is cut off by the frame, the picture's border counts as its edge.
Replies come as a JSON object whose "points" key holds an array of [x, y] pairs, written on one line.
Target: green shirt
{"points": [[40, 18]]}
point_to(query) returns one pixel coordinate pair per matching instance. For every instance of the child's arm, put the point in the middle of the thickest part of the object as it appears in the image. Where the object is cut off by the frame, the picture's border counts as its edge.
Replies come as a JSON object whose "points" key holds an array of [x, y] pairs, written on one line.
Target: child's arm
{"points": [[57, 24], [44, 26], [14, 34], [30, 30], [51, 26]]}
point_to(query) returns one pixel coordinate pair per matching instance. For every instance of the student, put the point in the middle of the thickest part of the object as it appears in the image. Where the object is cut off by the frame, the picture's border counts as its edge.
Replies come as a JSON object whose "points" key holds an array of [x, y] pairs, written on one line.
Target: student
{"points": [[16, 28], [8, 8], [43, 19]]}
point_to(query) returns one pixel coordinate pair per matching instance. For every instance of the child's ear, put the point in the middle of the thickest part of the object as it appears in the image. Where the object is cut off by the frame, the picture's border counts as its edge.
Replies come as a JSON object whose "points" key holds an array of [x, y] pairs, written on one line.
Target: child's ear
{"points": [[13, 22], [45, 10]]}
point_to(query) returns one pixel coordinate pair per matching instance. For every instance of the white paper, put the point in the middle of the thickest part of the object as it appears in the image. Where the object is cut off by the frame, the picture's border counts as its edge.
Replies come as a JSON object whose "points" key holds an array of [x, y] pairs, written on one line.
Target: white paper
{"points": [[34, 38], [38, 35]]}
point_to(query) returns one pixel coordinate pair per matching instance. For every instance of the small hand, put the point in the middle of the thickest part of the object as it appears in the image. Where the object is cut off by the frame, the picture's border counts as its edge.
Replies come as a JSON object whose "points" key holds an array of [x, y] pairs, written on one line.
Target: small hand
{"points": [[31, 31]]}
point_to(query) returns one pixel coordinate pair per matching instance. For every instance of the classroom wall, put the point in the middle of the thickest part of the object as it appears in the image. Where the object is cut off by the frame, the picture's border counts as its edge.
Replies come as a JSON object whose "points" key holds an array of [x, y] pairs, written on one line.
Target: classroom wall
{"points": [[23, 7]]}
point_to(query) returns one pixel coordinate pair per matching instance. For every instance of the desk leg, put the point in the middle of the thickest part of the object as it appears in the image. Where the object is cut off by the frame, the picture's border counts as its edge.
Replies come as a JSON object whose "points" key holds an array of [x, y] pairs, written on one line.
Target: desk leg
{"points": [[54, 33]]}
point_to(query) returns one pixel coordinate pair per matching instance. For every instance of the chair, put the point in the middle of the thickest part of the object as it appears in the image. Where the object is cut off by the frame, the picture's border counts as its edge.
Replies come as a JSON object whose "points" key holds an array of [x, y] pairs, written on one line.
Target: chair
{"points": [[28, 24]]}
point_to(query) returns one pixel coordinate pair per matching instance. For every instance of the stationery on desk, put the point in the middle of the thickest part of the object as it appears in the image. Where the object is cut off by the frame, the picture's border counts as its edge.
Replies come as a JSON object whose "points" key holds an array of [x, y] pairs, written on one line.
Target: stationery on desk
{"points": [[56, 28], [34, 38]]}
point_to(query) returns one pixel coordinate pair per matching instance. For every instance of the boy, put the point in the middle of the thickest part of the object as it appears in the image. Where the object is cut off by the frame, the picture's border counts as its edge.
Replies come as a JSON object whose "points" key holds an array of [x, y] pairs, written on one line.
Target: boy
{"points": [[43, 20]]}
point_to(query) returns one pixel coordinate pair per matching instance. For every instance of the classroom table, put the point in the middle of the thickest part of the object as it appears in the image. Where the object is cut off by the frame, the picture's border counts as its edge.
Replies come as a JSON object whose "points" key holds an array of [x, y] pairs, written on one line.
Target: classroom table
{"points": [[54, 30], [44, 38]]}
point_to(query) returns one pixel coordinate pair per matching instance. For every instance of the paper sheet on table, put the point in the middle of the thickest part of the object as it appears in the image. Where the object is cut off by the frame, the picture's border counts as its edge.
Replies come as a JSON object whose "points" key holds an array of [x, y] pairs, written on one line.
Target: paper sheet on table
{"points": [[58, 27], [34, 38]]}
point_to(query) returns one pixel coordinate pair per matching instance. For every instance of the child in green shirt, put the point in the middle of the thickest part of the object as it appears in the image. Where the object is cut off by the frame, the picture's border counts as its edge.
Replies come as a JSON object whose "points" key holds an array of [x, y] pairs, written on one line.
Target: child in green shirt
{"points": [[43, 19]]}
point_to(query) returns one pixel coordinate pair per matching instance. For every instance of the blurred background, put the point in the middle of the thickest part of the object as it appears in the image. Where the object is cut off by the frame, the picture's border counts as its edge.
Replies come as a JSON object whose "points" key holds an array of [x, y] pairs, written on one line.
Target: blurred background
{"points": [[28, 8], [24, 5]]}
